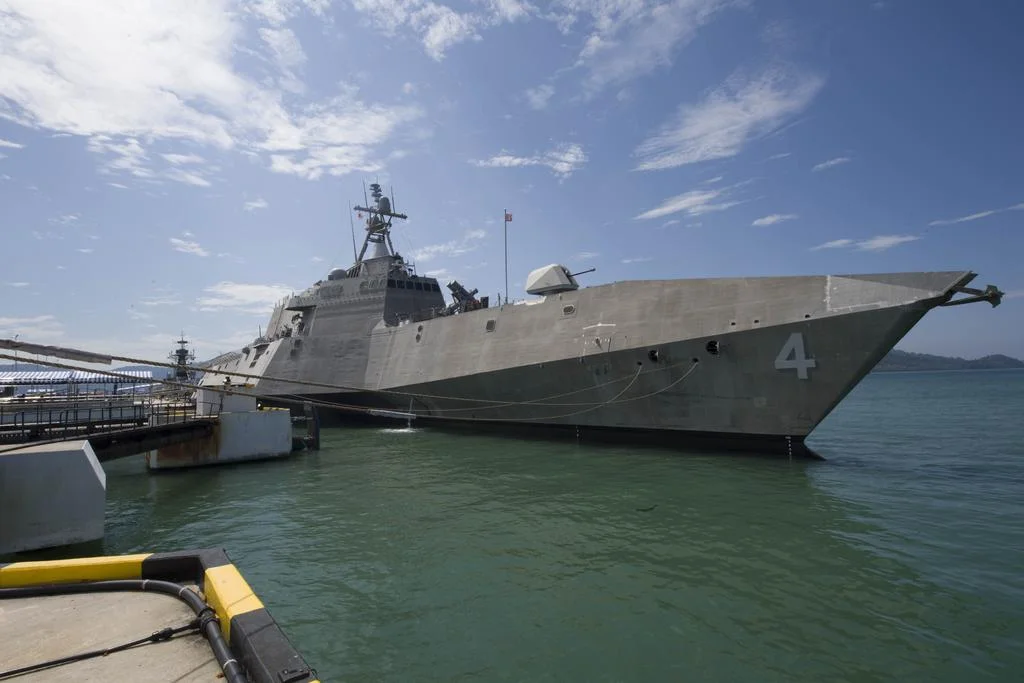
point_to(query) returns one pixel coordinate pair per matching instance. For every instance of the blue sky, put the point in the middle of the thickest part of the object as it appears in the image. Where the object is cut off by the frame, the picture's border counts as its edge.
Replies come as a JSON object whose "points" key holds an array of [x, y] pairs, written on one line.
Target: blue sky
{"points": [[179, 165]]}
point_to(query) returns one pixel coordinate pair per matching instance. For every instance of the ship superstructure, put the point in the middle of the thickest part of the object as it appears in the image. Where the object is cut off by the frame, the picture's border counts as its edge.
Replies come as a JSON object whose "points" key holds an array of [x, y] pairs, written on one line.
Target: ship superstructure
{"points": [[737, 362], [183, 357]]}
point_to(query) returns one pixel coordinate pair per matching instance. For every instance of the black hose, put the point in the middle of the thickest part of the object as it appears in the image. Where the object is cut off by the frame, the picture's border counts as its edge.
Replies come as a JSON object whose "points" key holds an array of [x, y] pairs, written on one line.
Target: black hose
{"points": [[207, 622]]}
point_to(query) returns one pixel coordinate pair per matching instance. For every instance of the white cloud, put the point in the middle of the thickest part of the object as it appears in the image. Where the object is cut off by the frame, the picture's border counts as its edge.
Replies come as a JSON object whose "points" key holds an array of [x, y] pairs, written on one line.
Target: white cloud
{"points": [[509, 10], [693, 203], [980, 214], [118, 186], [538, 97], [631, 38], [188, 247], [781, 155], [883, 242], [775, 218], [285, 45], [129, 75], [729, 117], [10, 145], [317, 259], [673, 221], [85, 251], [834, 244], [586, 255], [65, 219], [408, 88], [564, 160], [18, 284], [160, 300], [336, 137], [288, 54], [181, 159], [36, 329], [439, 27], [712, 181], [258, 203], [639, 259], [467, 243], [123, 155], [878, 243], [277, 12], [248, 298], [438, 274], [187, 177], [831, 163]]}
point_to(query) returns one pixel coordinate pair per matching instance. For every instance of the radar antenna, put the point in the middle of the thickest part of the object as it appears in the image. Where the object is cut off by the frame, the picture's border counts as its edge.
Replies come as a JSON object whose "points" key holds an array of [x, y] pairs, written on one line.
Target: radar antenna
{"points": [[378, 222]]}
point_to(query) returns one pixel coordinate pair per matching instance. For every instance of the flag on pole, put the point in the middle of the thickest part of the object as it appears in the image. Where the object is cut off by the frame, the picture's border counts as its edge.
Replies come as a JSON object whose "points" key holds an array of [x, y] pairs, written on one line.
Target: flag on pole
{"points": [[508, 217]]}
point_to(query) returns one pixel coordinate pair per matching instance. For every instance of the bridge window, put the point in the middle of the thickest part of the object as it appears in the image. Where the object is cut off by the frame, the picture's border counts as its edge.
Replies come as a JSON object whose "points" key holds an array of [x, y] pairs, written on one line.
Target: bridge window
{"points": [[419, 286], [391, 284]]}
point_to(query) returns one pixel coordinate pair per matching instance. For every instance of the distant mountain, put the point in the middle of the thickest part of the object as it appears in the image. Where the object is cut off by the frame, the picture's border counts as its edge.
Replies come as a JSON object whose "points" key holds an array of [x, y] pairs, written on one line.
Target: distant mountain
{"points": [[905, 361]]}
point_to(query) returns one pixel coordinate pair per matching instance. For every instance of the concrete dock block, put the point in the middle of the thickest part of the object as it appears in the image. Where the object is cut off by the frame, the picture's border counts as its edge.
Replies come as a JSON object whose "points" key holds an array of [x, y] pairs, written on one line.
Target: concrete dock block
{"points": [[248, 435], [50, 495]]}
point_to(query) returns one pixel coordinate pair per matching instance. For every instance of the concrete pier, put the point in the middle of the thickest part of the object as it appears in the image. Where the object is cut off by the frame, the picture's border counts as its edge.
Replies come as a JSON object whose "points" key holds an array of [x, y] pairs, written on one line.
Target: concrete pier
{"points": [[70, 624], [242, 432], [54, 493], [99, 619], [50, 495]]}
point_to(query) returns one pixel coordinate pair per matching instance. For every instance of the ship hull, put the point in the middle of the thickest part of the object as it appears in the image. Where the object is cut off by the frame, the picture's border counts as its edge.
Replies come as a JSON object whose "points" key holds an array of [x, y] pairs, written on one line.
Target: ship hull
{"points": [[683, 396], [745, 364]]}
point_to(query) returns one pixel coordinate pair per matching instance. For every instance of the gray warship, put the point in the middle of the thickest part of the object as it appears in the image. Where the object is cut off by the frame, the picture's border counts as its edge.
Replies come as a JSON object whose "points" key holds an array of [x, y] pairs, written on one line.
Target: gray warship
{"points": [[749, 363]]}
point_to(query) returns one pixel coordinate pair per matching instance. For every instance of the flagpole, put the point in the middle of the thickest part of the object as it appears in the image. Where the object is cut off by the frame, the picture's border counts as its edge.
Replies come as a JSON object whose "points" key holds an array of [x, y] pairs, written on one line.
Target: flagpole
{"points": [[505, 217]]}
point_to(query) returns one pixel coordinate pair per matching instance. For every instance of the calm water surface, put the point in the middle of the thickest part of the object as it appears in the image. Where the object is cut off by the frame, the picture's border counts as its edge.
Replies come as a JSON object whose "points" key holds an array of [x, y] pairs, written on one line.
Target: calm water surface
{"points": [[397, 555]]}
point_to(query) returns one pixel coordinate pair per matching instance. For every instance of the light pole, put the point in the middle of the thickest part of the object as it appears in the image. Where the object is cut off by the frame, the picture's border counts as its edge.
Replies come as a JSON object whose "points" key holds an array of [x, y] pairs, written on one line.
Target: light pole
{"points": [[508, 219]]}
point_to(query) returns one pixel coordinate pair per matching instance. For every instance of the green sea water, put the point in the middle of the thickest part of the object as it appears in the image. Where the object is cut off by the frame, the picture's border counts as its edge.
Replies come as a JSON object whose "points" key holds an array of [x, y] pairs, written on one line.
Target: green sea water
{"points": [[415, 555]]}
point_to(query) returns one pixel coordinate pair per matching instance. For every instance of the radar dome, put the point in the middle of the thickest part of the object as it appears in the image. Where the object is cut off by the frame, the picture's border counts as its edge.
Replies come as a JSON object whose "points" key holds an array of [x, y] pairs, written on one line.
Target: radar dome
{"points": [[385, 205], [336, 274]]}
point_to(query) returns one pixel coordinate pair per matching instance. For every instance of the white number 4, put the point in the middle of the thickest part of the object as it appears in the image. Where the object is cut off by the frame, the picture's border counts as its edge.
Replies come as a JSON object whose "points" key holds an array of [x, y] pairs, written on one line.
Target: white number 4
{"points": [[794, 357]]}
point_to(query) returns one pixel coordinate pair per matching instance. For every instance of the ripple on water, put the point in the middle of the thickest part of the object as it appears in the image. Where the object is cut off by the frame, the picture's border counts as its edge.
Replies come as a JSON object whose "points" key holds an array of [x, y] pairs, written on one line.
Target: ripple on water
{"points": [[395, 554]]}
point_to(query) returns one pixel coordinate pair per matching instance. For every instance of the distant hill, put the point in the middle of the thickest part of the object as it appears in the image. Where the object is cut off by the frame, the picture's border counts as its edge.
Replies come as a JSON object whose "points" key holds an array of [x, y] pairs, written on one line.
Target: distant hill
{"points": [[905, 361]]}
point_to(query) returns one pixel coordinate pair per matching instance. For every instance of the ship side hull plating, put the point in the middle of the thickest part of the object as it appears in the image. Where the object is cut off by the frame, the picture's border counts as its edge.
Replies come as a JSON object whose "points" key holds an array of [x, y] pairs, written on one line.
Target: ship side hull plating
{"points": [[674, 394], [749, 363]]}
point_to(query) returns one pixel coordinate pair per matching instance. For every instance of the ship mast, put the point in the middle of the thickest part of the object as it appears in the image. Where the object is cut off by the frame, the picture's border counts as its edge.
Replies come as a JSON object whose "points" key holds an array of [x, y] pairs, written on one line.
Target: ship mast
{"points": [[378, 223], [181, 357]]}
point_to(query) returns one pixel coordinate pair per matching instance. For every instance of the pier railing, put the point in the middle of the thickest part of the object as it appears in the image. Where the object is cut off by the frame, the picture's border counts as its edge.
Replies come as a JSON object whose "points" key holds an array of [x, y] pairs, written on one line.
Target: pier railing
{"points": [[57, 419]]}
